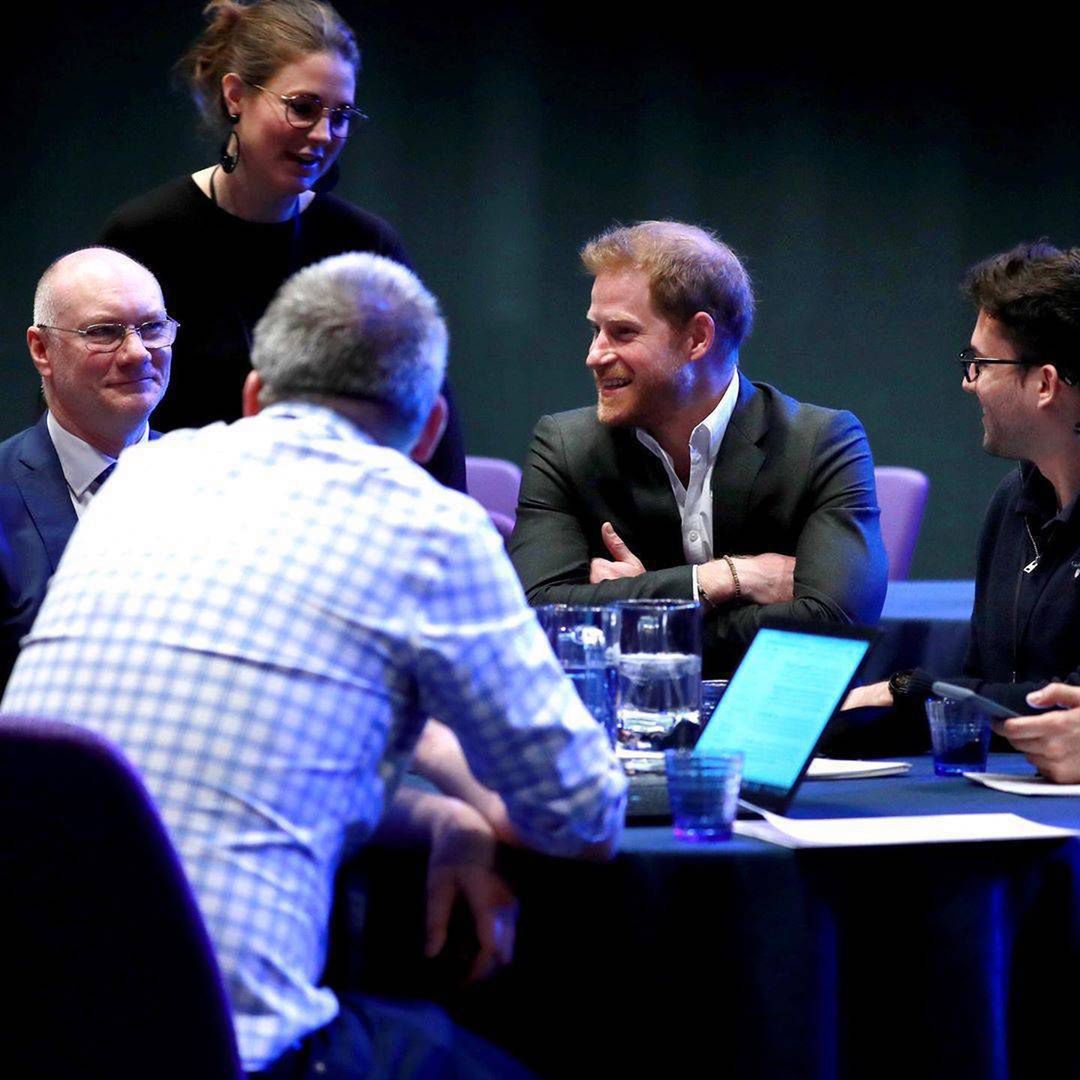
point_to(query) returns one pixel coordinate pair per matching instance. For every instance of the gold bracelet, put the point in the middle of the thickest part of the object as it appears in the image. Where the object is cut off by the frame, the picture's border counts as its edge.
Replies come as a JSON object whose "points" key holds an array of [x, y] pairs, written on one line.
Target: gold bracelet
{"points": [[734, 576]]}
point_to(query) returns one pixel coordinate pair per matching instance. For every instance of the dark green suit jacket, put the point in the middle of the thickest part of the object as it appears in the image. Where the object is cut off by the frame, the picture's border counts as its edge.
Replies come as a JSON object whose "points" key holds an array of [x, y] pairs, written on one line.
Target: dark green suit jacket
{"points": [[790, 478]]}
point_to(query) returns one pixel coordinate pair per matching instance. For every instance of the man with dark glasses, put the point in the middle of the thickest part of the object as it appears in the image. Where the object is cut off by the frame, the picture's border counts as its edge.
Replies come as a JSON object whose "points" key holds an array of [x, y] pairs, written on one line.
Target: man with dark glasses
{"points": [[1022, 364], [102, 343]]}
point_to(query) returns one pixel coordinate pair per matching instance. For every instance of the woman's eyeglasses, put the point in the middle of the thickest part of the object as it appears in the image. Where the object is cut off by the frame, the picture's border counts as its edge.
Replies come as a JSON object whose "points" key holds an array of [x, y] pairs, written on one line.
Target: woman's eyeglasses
{"points": [[306, 110]]}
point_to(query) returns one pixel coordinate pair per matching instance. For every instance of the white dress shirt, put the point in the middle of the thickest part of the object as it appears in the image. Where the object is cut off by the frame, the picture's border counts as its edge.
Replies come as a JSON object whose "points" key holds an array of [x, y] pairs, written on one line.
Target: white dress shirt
{"points": [[82, 463], [262, 616], [695, 499]]}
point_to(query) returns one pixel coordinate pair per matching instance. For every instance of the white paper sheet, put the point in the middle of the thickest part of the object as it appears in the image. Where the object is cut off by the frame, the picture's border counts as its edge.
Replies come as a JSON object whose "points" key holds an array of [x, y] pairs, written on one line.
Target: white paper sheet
{"points": [[1023, 785], [878, 831], [844, 769]]}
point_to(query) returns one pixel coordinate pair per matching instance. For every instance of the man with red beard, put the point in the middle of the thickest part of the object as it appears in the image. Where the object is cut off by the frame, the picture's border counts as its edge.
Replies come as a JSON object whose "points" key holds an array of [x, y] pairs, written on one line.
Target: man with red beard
{"points": [[688, 480]]}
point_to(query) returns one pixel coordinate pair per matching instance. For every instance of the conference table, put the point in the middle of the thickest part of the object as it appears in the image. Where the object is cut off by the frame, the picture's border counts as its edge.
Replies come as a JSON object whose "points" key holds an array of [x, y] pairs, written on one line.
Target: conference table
{"points": [[746, 959]]}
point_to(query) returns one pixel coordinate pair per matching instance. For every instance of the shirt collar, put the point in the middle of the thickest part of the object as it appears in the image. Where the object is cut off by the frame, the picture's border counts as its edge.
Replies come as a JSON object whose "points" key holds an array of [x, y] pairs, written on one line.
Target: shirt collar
{"points": [[81, 463], [1038, 501], [315, 416], [706, 438]]}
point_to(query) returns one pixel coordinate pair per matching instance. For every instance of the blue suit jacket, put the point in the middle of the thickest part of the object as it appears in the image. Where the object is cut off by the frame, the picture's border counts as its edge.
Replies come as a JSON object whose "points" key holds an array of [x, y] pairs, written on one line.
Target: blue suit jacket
{"points": [[36, 521]]}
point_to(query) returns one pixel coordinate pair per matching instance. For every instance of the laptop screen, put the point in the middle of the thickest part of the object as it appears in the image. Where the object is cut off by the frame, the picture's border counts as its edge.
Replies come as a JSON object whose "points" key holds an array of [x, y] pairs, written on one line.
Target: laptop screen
{"points": [[785, 691]]}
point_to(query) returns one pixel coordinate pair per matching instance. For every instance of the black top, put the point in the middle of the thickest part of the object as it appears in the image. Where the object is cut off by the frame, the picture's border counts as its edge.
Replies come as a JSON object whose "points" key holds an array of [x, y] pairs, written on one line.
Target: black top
{"points": [[219, 272], [1025, 628]]}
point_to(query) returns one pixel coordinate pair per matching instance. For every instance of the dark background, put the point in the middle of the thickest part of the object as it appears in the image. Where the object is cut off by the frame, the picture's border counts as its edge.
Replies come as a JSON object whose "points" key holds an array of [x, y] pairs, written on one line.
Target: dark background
{"points": [[857, 171]]}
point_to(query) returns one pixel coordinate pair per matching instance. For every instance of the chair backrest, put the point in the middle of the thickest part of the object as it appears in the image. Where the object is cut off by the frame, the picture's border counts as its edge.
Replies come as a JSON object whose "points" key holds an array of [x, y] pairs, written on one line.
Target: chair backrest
{"points": [[108, 966], [503, 523], [901, 495], [494, 484]]}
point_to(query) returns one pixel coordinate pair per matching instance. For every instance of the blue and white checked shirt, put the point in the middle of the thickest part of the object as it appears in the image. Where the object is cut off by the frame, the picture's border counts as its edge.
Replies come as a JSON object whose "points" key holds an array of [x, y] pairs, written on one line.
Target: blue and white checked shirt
{"points": [[262, 615]]}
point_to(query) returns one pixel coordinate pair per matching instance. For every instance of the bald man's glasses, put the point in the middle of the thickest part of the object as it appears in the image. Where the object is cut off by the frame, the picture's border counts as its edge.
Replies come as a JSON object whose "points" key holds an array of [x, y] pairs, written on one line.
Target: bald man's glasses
{"points": [[108, 337]]}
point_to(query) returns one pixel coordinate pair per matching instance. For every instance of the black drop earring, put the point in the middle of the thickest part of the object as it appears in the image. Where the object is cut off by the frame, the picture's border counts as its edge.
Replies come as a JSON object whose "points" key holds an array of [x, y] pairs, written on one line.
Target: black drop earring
{"points": [[230, 148]]}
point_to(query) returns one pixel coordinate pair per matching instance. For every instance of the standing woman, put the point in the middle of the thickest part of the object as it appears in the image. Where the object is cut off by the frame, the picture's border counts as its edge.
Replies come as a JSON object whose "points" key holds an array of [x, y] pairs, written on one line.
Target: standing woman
{"points": [[277, 77]]}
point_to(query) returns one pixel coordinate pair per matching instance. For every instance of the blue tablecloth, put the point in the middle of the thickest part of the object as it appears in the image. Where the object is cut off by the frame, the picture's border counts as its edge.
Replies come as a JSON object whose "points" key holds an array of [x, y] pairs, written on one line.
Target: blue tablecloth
{"points": [[745, 959], [948, 601]]}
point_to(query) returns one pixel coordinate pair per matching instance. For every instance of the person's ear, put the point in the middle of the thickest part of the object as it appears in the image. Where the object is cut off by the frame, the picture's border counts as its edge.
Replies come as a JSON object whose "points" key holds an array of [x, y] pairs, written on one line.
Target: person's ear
{"points": [[249, 400], [432, 432], [35, 342], [233, 91], [1048, 385], [701, 332]]}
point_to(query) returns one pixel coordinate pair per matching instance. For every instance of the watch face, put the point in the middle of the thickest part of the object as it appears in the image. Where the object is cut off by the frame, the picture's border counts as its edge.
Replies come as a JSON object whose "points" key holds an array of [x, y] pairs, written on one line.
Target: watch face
{"points": [[900, 683]]}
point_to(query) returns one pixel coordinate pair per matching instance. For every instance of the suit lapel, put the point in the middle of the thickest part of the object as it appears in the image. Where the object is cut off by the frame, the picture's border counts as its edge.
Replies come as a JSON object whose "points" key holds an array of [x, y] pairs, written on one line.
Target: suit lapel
{"points": [[44, 490], [651, 516], [737, 466]]}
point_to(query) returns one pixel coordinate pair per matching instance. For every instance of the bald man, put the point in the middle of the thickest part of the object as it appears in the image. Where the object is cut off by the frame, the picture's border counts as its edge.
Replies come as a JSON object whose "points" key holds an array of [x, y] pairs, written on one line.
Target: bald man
{"points": [[101, 342]]}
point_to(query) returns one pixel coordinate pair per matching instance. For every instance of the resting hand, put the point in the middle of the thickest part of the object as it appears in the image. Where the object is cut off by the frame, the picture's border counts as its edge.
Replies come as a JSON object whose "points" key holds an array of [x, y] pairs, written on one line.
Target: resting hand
{"points": [[438, 757], [462, 864], [767, 578], [763, 579], [622, 564], [1051, 740], [873, 694]]}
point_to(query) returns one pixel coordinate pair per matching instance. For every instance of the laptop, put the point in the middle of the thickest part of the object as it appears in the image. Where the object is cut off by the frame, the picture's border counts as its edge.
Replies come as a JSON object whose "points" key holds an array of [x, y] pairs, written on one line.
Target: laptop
{"points": [[789, 685]]}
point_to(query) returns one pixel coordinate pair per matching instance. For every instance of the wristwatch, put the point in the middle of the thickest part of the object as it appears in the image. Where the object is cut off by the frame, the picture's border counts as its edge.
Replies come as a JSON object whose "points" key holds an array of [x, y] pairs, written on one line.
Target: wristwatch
{"points": [[913, 685], [900, 684]]}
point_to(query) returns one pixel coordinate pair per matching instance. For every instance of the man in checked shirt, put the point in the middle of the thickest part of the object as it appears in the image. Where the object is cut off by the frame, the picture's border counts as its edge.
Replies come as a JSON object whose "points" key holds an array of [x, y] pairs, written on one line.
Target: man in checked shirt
{"points": [[262, 615]]}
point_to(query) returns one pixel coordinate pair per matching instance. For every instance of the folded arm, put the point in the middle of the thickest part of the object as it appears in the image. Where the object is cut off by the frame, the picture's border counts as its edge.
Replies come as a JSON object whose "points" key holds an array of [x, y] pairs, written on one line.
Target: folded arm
{"points": [[837, 572], [439, 758], [840, 567]]}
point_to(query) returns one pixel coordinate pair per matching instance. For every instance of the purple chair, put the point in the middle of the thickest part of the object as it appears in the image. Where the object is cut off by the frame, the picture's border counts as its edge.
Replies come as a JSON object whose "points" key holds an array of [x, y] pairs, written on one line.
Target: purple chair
{"points": [[108, 967], [901, 495], [494, 484]]}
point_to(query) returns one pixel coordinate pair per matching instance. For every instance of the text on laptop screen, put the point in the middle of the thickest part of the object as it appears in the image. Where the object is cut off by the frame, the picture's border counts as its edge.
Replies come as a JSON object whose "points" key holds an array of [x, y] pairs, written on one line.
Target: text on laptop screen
{"points": [[779, 700]]}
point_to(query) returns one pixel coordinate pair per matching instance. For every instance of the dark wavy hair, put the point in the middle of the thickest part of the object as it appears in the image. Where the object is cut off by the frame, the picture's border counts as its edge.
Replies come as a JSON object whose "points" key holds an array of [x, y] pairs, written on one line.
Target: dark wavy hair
{"points": [[1034, 292]]}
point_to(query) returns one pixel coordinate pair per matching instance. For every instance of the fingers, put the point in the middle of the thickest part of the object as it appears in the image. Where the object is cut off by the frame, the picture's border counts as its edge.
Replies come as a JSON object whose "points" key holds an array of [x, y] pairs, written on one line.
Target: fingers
{"points": [[491, 905], [607, 570], [1020, 729], [617, 546], [1050, 742], [1055, 694], [614, 543], [441, 891], [1057, 770], [496, 928], [602, 570]]}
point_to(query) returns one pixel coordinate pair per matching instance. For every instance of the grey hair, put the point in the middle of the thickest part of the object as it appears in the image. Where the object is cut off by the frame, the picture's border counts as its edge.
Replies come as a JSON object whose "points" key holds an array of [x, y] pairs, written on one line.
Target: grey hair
{"points": [[45, 306], [357, 327]]}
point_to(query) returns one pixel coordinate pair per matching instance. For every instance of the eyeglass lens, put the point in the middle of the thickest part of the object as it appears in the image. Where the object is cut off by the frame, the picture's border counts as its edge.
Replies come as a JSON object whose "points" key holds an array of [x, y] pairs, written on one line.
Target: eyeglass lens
{"points": [[155, 334], [970, 364], [306, 110]]}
